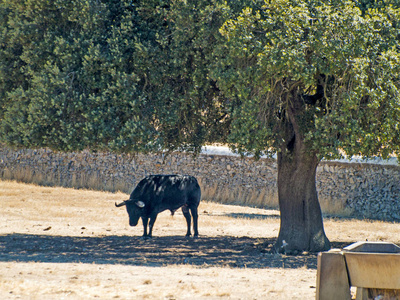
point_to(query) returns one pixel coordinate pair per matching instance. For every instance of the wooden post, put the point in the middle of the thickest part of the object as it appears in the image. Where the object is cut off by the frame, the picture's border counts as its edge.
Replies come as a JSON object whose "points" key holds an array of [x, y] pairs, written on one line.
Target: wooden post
{"points": [[332, 278]]}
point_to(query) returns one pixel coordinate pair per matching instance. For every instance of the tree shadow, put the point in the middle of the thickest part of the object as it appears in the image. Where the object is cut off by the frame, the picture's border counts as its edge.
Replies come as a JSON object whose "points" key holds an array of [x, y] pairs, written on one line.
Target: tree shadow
{"points": [[252, 216], [360, 218], [228, 251]]}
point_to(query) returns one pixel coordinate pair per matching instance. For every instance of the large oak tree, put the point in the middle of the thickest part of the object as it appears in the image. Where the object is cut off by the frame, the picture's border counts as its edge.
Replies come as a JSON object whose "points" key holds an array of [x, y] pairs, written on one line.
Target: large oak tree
{"points": [[312, 80]]}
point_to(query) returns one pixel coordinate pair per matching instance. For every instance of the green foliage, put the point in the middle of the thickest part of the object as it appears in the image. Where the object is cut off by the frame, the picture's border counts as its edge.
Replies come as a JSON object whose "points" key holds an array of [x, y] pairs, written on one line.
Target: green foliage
{"points": [[325, 69], [139, 76], [125, 76]]}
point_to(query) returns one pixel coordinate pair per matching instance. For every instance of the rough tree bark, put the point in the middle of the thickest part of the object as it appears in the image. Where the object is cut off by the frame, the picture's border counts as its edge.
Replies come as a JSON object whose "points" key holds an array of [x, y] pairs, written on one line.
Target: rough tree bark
{"points": [[301, 226]]}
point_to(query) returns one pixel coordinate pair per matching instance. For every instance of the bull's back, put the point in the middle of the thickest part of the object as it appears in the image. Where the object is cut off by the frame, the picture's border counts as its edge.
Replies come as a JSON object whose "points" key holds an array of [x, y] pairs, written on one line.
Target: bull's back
{"points": [[182, 187], [171, 190]]}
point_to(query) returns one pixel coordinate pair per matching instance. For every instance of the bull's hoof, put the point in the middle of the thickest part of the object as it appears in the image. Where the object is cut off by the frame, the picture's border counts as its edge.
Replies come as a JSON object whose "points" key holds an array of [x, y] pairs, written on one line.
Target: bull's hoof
{"points": [[146, 237], [196, 236]]}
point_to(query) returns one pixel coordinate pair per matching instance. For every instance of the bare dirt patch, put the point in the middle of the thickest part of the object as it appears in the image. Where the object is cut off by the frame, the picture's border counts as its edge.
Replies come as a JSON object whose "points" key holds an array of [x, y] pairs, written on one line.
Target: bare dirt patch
{"points": [[72, 244]]}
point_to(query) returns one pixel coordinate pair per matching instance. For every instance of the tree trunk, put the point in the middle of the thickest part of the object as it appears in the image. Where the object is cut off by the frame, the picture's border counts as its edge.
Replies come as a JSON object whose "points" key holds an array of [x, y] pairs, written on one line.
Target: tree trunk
{"points": [[301, 218], [301, 227]]}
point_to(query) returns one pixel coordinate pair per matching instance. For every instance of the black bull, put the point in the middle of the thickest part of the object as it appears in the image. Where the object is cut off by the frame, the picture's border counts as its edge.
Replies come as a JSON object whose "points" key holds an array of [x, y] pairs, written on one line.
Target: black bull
{"points": [[157, 193]]}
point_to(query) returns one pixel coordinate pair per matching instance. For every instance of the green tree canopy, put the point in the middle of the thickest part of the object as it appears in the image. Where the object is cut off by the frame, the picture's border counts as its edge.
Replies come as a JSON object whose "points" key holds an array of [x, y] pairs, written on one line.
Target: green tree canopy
{"points": [[126, 76], [343, 63]]}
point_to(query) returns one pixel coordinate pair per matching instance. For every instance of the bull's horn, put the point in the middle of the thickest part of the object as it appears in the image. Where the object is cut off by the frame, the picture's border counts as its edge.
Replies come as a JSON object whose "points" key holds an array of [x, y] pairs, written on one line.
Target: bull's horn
{"points": [[140, 204], [121, 204]]}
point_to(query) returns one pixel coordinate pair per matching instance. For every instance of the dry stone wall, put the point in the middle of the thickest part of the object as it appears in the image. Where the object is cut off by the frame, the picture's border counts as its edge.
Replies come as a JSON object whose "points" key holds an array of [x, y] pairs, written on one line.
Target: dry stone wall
{"points": [[366, 190], [361, 190]]}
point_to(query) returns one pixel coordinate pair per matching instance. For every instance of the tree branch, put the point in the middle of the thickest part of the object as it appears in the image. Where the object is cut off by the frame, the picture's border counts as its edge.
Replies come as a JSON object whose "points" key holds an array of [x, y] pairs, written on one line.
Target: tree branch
{"points": [[319, 94]]}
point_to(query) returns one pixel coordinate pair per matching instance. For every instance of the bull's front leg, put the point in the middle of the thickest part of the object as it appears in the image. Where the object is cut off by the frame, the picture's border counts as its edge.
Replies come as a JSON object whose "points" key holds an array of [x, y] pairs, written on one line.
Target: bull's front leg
{"points": [[145, 220], [153, 218]]}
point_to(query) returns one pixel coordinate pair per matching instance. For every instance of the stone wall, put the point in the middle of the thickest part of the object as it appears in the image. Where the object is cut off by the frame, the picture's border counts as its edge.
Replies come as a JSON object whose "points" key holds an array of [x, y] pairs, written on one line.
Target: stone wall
{"points": [[365, 190], [360, 190]]}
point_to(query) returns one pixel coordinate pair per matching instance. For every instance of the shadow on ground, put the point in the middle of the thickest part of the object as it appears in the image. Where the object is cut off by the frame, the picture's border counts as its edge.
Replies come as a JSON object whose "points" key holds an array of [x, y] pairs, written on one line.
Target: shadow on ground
{"points": [[235, 252], [252, 216]]}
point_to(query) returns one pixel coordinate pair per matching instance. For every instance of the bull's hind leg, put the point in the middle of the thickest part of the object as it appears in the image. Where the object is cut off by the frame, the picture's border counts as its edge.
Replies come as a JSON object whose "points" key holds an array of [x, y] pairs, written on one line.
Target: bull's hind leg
{"points": [[185, 211], [195, 218]]}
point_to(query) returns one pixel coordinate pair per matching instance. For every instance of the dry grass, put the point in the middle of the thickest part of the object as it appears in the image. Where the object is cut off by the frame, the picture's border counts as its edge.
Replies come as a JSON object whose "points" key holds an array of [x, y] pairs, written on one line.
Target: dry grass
{"points": [[115, 263], [237, 196], [126, 282], [49, 206], [333, 207], [77, 181]]}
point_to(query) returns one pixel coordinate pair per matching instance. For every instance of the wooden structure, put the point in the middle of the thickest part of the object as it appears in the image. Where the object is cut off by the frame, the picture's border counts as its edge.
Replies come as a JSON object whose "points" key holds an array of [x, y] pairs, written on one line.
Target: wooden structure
{"points": [[372, 267]]}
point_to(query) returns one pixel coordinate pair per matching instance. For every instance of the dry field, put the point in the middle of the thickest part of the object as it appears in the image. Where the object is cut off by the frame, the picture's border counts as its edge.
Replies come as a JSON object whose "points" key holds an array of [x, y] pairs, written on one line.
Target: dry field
{"points": [[58, 243]]}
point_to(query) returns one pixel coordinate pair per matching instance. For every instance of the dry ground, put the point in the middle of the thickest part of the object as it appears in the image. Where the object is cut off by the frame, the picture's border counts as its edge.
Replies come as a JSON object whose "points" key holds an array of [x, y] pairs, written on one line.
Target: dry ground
{"points": [[58, 243]]}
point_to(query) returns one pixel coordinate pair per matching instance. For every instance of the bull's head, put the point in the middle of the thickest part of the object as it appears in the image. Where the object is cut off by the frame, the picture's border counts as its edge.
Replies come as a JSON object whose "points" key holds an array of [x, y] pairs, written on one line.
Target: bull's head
{"points": [[134, 209]]}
